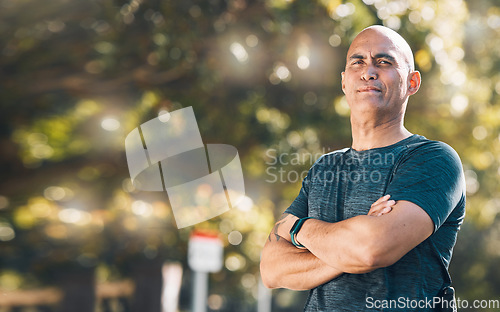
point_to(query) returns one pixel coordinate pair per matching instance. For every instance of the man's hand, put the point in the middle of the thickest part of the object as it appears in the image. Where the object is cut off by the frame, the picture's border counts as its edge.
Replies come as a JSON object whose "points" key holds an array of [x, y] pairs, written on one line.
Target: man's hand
{"points": [[381, 206]]}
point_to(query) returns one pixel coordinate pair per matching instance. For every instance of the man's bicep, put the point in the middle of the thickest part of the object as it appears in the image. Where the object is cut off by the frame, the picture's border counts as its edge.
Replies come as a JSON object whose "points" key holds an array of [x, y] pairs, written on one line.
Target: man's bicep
{"points": [[405, 227], [432, 178]]}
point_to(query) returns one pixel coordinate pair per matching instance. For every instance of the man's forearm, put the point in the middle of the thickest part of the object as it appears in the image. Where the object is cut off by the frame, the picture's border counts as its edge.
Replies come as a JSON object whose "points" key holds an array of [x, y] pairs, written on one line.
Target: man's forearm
{"points": [[348, 243], [364, 243], [285, 266]]}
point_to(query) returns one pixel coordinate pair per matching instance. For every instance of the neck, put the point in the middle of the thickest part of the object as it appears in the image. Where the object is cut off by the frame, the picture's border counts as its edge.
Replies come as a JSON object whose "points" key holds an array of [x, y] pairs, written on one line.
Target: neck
{"points": [[373, 133]]}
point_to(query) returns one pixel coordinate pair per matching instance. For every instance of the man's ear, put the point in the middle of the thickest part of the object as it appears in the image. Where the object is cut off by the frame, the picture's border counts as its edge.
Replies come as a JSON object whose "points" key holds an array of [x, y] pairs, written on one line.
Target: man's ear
{"points": [[414, 83], [342, 74]]}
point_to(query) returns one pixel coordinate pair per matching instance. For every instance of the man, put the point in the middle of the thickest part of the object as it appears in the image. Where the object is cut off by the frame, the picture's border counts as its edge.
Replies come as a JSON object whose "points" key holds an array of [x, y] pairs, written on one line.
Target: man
{"points": [[383, 215]]}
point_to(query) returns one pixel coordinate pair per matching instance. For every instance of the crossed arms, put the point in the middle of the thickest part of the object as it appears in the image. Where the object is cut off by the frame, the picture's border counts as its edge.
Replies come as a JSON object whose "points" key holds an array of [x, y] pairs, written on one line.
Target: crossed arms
{"points": [[357, 245]]}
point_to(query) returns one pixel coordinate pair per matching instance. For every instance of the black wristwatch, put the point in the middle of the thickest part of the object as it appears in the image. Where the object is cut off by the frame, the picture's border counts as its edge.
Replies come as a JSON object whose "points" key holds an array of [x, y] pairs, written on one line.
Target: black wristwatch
{"points": [[295, 229]]}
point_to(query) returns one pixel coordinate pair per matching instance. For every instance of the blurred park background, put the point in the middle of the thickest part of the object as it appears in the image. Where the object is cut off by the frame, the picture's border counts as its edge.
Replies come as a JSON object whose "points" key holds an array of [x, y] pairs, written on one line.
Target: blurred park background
{"points": [[261, 75]]}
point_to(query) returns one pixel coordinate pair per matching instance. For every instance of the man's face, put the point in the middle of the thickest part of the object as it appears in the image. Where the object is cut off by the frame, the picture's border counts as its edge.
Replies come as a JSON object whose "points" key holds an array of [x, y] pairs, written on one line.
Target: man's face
{"points": [[376, 76]]}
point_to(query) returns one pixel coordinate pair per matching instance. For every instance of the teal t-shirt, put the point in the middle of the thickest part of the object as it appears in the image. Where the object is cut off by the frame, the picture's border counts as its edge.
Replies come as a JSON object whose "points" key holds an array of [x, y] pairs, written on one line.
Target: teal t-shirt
{"points": [[344, 184]]}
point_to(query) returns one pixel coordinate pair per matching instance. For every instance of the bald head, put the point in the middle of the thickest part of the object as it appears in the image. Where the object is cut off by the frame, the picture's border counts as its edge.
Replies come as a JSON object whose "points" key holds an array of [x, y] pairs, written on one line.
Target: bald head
{"points": [[379, 75], [400, 44]]}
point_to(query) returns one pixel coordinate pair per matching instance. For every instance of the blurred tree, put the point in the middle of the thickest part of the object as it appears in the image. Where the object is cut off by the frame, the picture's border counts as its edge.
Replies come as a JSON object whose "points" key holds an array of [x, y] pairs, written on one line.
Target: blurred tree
{"points": [[263, 76]]}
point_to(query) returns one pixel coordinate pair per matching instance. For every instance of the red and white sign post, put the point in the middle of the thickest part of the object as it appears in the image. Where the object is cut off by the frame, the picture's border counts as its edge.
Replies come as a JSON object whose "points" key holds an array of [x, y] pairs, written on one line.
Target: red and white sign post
{"points": [[205, 255]]}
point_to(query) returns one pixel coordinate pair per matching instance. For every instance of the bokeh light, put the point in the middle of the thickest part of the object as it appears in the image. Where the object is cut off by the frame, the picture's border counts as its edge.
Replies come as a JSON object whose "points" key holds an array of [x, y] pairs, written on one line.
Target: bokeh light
{"points": [[110, 124], [239, 52]]}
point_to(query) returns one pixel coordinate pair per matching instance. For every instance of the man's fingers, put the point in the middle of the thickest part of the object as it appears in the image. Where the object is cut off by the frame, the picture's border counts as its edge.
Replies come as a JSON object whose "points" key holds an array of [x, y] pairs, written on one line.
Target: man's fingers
{"points": [[384, 204], [384, 211], [382, 208], [381, 199], [387, 209]]}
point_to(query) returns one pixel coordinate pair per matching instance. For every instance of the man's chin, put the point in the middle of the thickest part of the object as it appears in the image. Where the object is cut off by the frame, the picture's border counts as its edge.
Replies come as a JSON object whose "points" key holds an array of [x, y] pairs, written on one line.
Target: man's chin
{"points": [[374, 103]]}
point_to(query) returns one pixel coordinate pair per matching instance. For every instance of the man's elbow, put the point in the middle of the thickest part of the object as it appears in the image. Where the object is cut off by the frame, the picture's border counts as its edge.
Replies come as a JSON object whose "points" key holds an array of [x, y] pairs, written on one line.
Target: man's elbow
{"points": [[268, 278], [373, 257], [373, 261], [264, 275], [365, 262], [362, 256], [272, 279], [268, 283]]}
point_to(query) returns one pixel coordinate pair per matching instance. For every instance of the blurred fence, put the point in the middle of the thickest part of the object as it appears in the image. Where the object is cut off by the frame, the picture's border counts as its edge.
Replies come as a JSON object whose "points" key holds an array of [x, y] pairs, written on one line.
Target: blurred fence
{"points": [[151, 290], [109, 297]]}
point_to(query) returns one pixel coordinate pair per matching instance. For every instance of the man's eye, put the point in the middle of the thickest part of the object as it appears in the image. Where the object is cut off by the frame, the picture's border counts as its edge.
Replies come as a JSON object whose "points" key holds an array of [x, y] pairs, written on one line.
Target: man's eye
{"points": [[383, 62]]}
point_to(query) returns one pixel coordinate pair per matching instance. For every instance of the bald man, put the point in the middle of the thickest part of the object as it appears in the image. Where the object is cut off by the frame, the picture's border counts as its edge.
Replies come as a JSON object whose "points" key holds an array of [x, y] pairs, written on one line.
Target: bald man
{"points": [[374, 225]]}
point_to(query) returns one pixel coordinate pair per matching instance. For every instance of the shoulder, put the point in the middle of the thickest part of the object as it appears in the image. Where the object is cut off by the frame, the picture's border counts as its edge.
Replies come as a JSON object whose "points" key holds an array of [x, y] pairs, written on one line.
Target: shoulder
{"points": [[432, 150], [431, 158]]}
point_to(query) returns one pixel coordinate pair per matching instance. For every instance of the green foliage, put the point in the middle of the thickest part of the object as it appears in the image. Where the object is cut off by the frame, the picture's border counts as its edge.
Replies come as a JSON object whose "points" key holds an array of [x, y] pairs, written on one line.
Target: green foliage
{"points": [[263, 76]]}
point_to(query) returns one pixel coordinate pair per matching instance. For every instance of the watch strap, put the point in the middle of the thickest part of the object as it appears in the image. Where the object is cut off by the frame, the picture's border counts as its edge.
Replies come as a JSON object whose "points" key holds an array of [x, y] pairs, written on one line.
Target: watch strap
{"points": [[295, 230]]}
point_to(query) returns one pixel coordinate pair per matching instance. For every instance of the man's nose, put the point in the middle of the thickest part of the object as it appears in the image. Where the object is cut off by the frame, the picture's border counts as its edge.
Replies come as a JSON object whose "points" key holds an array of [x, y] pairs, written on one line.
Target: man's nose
{"points": [[370, 73]]}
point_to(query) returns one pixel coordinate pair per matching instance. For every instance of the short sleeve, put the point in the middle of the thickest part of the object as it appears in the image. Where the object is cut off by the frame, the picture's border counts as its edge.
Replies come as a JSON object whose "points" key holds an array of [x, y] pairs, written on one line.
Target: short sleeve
{"points": [[300, 206], [431, 177]]}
